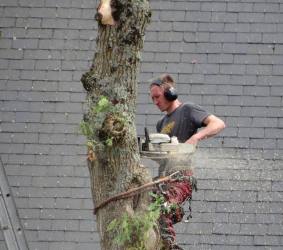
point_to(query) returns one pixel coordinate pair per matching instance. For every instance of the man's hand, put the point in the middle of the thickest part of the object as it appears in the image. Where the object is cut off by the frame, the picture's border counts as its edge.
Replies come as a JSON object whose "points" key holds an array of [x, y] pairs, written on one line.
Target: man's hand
{"points": [[193, 140]]}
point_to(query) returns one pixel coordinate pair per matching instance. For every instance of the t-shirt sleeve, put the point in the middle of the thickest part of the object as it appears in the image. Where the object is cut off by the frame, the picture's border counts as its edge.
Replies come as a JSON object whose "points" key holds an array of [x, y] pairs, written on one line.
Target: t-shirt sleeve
{"points": [[198, 115]]}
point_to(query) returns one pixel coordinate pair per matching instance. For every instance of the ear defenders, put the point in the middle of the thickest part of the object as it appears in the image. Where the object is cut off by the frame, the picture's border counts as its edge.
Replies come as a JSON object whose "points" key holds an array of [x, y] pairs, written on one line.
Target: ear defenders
{"points": [[170, 94]]}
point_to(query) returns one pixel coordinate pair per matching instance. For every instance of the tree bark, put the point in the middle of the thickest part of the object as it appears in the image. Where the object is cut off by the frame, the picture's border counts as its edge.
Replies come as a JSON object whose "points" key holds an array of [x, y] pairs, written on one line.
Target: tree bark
{"points": [[114, 161]]}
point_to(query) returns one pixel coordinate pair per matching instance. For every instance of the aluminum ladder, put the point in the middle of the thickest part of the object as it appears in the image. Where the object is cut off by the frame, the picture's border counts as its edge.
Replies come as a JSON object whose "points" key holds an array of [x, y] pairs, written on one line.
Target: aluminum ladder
{"points": [[9, 220]]}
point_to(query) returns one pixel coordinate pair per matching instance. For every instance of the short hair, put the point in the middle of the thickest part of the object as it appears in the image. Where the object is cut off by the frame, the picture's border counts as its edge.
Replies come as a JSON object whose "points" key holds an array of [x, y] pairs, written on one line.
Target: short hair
{"points": [[165, 80]]}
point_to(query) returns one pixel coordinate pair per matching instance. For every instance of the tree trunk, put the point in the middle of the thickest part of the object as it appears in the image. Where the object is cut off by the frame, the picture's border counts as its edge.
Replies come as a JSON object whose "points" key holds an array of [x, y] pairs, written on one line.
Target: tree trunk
{"points": [[111, 84]]}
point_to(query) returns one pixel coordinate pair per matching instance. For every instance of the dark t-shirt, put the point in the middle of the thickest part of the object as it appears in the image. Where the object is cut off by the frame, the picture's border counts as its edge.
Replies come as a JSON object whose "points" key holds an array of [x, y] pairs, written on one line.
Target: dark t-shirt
{"points": [[183, 122]]}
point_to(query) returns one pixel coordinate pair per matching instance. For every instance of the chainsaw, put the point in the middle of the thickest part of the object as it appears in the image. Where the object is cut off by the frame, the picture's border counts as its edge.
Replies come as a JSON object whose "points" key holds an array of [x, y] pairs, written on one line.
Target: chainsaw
{"points": [[158, 146]]}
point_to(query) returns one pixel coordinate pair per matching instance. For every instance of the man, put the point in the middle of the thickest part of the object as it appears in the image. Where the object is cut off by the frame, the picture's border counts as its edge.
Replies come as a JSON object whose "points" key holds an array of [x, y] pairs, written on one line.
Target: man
{"points": [[183, 121]]}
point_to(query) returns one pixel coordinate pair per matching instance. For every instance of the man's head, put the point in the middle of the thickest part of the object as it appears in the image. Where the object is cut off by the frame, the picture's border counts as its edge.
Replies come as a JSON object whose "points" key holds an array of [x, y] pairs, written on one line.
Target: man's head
{"points": [[163, 93]]}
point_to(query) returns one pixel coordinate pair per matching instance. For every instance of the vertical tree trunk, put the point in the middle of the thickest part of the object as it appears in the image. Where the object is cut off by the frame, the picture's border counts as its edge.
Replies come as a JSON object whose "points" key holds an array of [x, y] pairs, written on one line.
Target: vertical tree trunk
{"points": [[111, 84]]}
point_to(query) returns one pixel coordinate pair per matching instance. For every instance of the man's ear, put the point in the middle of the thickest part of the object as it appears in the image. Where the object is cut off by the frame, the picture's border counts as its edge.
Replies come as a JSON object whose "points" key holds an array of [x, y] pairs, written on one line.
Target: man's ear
{"points": [[104, 13]]}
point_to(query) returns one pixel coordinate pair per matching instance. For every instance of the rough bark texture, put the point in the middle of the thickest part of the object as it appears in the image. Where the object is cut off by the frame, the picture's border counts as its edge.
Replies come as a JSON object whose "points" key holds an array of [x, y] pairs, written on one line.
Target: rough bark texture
{"points": [[114, 163]]}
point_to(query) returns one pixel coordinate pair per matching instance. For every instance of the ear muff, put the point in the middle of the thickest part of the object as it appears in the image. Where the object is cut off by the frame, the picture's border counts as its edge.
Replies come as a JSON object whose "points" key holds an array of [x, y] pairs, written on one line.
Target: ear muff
{"points": [[170, 94]]}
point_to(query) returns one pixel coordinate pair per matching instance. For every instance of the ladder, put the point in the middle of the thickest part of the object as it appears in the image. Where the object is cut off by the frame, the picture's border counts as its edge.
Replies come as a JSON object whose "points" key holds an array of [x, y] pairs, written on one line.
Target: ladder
{"points": [[9, 220]]}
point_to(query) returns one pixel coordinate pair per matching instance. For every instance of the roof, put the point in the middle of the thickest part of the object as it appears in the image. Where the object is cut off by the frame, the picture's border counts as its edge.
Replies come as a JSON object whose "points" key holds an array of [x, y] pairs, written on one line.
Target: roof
{"points": [[224, 55]]}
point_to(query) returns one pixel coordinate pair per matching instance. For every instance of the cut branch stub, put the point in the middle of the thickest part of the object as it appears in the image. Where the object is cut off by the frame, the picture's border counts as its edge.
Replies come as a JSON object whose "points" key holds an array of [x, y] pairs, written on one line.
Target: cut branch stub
{"points": [[114, 127], [88, 81], [104, 13]]}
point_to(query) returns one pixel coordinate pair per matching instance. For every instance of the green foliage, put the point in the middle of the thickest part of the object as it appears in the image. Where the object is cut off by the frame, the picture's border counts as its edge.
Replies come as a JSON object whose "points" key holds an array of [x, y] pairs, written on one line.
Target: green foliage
{"points": [[109, 142], [161, 204], [103, 105], [86, 129], [158, 202], [91, 144], [131, 230]]}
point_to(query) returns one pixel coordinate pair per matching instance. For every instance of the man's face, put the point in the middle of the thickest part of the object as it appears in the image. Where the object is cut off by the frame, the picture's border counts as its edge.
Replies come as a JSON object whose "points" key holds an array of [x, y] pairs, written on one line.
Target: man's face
{"points": [[157, 96]]}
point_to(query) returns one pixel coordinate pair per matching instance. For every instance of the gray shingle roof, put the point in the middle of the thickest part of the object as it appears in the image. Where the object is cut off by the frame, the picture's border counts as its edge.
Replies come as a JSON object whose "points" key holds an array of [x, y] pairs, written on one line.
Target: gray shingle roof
{"points": [[224, 55]]}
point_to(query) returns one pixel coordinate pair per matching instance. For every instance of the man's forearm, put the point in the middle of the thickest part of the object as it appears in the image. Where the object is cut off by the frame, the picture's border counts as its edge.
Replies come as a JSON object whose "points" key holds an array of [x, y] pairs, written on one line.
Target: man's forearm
{"points": [[208, 132], [213, 127]]}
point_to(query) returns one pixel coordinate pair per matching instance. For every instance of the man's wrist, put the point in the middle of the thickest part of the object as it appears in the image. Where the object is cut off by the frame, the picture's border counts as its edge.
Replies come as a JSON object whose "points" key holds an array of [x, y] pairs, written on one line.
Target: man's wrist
{"points": [[197, 137], [193, 140]]}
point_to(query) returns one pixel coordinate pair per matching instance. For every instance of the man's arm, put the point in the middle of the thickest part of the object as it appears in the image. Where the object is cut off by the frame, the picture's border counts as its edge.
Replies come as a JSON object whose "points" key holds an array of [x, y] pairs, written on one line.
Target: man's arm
{"points": [[213, 126]]}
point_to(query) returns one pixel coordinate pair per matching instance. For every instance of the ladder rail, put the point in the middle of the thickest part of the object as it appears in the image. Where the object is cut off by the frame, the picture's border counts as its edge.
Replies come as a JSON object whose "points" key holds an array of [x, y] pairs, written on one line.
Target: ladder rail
{"points": [[9, 236], [9, 219]]}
